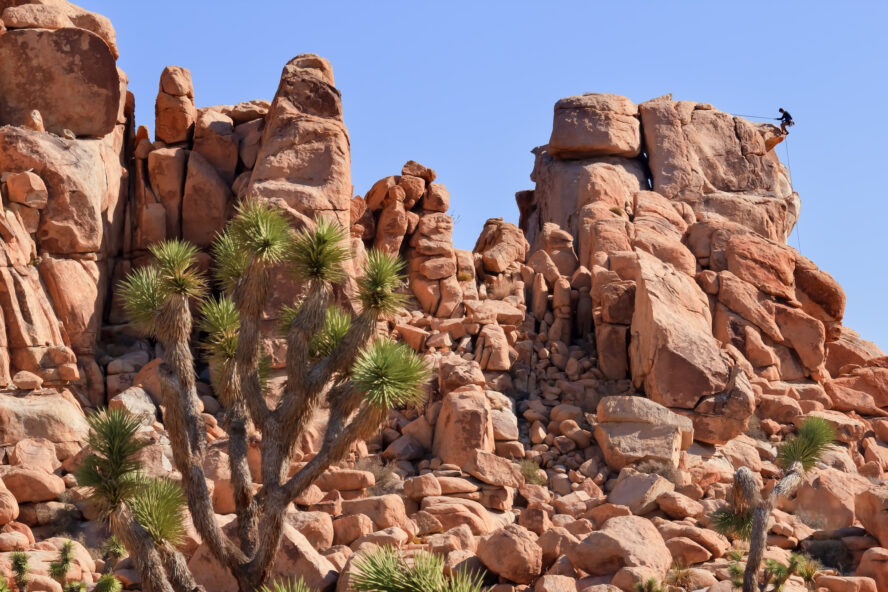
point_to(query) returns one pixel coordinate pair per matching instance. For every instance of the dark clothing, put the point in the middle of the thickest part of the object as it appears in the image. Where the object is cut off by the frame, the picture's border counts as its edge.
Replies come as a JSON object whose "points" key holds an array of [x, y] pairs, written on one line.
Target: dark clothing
{"points": [[786, 117]]}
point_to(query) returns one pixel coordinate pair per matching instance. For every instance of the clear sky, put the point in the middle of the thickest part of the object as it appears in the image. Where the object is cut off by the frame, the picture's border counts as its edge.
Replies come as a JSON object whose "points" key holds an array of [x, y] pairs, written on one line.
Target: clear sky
{"points": [[467, 88]]}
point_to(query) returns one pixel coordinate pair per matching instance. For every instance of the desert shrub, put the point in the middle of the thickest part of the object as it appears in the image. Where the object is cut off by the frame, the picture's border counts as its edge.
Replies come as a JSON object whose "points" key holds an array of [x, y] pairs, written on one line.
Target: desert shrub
{"points": [[530, 470]]}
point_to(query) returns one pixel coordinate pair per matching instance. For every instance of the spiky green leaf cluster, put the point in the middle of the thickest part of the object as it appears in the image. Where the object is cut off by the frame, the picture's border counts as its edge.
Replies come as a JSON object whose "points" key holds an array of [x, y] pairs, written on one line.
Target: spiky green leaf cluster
{"points": [[111, 469], [74, 587], [735, 571], [4, 585], [318, 254], [220, 320], [384, 570], [733, 524], [58, 569], [776, 573], [108, 583], [815, 436], [288, 585], [21, 567], [336, 324], [389, 374], [172, 273], [382, 276], [649, 585], [140, 293], [175, 260], [229, 260], [159, 506], [113, 549], [261, 231], [805, 567]]}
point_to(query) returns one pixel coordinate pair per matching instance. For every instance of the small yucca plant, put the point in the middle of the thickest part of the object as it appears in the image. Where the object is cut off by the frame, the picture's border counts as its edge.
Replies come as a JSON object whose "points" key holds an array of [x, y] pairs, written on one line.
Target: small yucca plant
{"points": [[288, 585], [649, 585], [384, 570], [112, 551], [747, 517], [111, 470], [4, 585], [58, 569], [21, 567], [806, 568], [108, 583]]}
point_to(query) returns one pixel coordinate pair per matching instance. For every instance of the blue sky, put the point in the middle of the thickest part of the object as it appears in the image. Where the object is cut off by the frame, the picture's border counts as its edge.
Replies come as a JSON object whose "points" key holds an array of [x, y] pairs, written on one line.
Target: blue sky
{"points": [[468, 87]]}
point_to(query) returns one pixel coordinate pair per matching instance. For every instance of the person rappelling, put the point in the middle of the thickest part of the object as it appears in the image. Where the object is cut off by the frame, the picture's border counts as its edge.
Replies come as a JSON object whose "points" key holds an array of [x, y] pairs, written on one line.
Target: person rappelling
{"points": [[785, 120]]}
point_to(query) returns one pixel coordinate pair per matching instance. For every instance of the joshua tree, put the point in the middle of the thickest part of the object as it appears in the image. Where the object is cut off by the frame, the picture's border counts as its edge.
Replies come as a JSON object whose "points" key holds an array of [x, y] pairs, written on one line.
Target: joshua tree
{"points": [[20, 568], [384, 570], [748, 516], [333, 356], [145, 514]]}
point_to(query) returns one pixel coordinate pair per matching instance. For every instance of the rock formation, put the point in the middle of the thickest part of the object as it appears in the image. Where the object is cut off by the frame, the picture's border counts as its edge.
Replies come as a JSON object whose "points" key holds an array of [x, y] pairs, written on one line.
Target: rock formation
{"points": [[643, 332]]}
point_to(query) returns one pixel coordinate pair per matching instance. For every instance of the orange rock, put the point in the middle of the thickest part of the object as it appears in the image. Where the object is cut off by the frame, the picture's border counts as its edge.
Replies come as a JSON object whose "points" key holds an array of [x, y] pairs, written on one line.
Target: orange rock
{"points": [[595, 124], [68, 74], [622, 541], [512, 553]]}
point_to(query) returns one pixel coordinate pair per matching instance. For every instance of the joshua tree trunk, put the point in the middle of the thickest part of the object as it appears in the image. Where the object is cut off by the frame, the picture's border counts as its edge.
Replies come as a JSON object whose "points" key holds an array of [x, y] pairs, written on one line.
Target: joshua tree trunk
{"points": [[762, 514], [139, 543], [177, 569]]}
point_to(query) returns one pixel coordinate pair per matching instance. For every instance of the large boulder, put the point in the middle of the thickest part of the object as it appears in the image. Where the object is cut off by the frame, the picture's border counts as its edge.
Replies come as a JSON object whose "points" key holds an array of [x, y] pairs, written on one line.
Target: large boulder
{"points": [[826, 498], [83, 182], [512, 553], [871, 509], [565, 187], [69, 75], [595, 124], [464, 426], [77, 288], [694, 149], [501, 244], [304, 155], [205, 203], [623, 541], [673, 353], [634, 429], [48, 415]]}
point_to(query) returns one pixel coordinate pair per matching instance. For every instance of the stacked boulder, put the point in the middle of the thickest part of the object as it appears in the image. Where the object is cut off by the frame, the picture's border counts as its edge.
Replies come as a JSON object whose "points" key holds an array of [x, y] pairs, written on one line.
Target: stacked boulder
{"points": [[65, 116], [406, 214]]}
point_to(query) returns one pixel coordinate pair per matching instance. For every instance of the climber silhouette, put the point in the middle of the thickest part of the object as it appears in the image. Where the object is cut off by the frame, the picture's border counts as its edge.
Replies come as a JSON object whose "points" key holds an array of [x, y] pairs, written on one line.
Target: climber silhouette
{"points": [[785, 121]]}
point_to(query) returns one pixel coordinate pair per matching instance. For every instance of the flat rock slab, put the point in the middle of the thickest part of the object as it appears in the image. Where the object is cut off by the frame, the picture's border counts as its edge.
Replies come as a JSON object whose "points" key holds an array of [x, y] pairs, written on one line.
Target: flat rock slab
{"points": [[69, 75]]}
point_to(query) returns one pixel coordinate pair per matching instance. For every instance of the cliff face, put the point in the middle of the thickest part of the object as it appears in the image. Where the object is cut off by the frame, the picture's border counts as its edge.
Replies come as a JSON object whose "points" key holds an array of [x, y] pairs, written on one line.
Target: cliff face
{"points": [[641, 334]]}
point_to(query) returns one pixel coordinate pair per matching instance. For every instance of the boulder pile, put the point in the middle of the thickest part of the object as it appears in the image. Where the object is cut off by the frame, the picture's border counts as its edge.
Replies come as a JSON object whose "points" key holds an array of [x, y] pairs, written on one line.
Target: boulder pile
{"points": [[602, 368]]}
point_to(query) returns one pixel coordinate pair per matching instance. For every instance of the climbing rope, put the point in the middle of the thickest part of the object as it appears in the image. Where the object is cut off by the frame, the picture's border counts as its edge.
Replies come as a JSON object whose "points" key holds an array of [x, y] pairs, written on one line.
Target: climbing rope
{"points": [[754, 116], [789, 169]]}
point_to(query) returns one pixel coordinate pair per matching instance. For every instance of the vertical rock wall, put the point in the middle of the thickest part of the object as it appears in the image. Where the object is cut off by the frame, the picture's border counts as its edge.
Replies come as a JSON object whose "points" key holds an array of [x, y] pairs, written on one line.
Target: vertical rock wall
{"points": [[63, 122]]}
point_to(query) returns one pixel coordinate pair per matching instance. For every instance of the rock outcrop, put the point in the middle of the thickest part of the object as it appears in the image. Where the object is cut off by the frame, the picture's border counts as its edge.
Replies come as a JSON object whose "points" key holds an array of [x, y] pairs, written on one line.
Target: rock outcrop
{"points": [[602, 368]]}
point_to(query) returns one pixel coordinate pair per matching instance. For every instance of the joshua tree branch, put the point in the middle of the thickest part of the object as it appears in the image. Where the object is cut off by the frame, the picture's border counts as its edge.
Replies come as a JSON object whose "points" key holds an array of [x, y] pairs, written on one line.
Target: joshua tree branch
{"points": [[338, 439], [185, 426], [250, 296], [762, 514]]}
